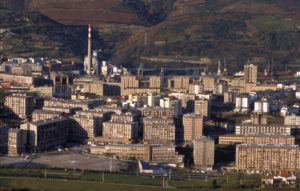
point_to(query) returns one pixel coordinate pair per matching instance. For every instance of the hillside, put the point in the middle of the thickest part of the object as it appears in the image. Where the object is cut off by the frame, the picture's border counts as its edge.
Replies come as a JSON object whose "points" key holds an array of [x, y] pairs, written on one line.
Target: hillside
{"points": [[257, 30]]}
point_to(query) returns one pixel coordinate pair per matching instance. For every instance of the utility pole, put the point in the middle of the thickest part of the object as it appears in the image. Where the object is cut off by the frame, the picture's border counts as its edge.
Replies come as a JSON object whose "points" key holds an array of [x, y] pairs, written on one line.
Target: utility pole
{"points": [[103, 176], [111, 165]]}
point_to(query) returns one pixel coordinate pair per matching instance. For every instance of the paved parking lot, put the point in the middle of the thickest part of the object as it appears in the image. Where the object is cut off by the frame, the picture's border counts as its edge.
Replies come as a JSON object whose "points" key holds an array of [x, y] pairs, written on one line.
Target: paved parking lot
{"points": [[65, 159]]}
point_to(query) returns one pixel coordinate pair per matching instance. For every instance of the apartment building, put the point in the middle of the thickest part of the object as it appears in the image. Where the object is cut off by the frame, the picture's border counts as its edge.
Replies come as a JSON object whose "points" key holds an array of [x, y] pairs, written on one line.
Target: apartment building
{"points": [[159, 131], [204, 153], [252, 129], [268, 158], [20, 105], [151, 153], [85, 127], [269, 139], [39, 115], [202, 107], [46, 134], [83, 104], [16, 142], [156, 112], [120, 132], [192, 127]]}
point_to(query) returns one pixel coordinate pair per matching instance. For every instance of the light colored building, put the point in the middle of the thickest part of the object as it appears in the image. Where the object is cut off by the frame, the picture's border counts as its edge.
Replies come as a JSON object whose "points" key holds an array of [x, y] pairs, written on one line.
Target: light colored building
{"points": [[209, 83], [105, 115], [83, 104], [39, 115], [21, 105], [250, 72], [131, 84], [204, 153], [124, 117], [202, 107], [44, 91], [14, 79], [151, 153], [268, 158], [253, 129], [157, 112], [230, 96], [269, 139], [159, 131], [242, 103], [46, 134], [16, 142], [85, 127], [261, 106], [192, 127], [120, 132], [91, 85], [196, 88], [259, 119], [179, 83], [172, 103], [231, 139], [292, 120]]}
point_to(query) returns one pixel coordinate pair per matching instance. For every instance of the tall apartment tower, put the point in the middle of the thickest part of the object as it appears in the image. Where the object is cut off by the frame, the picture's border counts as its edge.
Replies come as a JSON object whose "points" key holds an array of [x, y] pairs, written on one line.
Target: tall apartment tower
{"points": [[204, 153], [250, 72], [192, 127], [202, 107], [21, 105]]}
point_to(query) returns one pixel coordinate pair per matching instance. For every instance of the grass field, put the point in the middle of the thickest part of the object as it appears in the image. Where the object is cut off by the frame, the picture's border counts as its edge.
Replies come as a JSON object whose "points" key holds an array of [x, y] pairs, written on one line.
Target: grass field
{"points": [[59, 179], [273, 23]]}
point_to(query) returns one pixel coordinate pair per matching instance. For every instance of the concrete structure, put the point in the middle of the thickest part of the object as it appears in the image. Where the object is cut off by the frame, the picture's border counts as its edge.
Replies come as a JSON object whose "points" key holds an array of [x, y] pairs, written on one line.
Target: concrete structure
{"points": [[120, 132], [39, 115], [269, 139], [261, 106], [43, 135], [204, 153], [21, 105], [250, 72], [151, 153], [202, 107], [231, 139], [259, 119], [133, 85], [61, 86], [209, 83], [85, 127], [253, 129], [268, 158], [14, 79], [157, 112], [292, 120], [16, 142], [159, 131], [242, 103], [83, 104], [179, 84], [192, 127], [172, 103]]}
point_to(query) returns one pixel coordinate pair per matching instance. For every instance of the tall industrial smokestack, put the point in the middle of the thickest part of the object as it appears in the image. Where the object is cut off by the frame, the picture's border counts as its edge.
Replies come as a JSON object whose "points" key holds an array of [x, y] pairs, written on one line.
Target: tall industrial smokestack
{"points": [[90, 50]]}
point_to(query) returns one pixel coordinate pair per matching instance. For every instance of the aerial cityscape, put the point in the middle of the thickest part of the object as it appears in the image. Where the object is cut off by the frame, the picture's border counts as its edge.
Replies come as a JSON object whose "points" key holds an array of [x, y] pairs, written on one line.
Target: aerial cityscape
{"points": [[149, 95]]}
